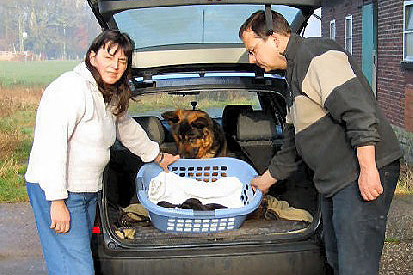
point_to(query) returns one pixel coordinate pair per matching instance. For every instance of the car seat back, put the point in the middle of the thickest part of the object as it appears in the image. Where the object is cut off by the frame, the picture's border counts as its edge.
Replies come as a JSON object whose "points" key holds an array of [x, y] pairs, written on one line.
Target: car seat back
{"points": [[153, 127], [259, 137]]}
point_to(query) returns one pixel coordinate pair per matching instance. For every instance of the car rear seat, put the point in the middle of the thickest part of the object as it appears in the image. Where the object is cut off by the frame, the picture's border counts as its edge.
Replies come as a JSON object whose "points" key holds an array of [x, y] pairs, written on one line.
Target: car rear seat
{"points": [[229, 125], [157, 132], [153, 127], [121, 172], [259, 137]]}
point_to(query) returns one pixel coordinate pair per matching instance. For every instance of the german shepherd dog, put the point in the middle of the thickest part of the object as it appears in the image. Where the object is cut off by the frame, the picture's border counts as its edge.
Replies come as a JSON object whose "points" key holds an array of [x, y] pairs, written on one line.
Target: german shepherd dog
{"points": [[196, 135]]}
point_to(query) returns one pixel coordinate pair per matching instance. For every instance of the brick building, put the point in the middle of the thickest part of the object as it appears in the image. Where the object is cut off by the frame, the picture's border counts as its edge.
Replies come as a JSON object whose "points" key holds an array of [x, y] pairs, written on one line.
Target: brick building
{"points": [[379, 34]]}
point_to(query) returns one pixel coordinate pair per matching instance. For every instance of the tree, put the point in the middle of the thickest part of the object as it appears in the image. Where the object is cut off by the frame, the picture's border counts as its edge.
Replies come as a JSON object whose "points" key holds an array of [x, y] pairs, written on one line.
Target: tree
{"points": [[55, 29]]}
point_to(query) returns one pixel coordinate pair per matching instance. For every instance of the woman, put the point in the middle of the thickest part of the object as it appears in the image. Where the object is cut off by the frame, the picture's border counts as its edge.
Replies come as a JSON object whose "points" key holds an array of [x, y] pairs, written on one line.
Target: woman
{"points": [[80, 115]]}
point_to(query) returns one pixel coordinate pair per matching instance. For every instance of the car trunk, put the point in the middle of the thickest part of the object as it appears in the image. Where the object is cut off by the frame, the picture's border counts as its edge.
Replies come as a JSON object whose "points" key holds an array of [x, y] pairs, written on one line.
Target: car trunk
{"points": [[298, 190]]}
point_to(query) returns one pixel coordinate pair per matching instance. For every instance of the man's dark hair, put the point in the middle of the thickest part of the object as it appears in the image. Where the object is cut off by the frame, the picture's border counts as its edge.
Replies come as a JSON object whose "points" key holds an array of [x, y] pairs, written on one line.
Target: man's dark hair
{"points": [[118, 93], [256, 22]]}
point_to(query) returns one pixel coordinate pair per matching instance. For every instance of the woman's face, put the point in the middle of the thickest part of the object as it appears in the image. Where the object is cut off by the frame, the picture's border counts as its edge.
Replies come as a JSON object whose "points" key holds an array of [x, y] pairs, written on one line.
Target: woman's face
{"points": [[110, 61]]}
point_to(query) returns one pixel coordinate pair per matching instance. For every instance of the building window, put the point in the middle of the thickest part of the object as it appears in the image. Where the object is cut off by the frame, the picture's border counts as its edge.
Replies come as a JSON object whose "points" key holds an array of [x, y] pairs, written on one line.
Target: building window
{"points": [[349, 34], [408, 31], [333, 29]]}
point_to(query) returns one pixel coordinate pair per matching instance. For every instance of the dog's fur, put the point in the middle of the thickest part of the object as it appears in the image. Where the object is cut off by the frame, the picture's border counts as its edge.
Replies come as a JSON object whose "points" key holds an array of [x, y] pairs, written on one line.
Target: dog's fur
{"points": [[196, 134]]}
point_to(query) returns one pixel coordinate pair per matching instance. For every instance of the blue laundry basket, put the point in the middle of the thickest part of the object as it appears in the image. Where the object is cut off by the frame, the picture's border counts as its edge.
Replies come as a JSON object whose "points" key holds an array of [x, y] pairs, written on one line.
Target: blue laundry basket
{"points": [[193, 221]]}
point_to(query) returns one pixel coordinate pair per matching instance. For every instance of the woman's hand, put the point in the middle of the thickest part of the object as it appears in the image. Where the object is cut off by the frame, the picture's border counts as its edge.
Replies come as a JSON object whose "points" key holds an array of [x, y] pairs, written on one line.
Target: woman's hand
{"points": [[60, 216], [166, 159], [263, 182]]}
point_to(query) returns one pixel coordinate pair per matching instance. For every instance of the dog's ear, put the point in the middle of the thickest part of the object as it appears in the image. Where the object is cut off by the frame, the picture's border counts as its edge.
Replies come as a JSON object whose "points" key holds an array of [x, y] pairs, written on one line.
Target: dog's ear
{"points": [[171, 116], [201, 122]]}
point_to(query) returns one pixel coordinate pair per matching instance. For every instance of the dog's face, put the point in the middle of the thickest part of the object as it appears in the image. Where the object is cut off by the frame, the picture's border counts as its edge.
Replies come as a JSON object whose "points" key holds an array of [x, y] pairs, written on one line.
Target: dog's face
{"points": [[192, 132]]}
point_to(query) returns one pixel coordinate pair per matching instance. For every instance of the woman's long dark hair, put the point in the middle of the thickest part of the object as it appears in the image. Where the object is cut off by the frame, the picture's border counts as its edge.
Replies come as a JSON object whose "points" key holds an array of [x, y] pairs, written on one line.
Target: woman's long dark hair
{"points": [[118, 93]]}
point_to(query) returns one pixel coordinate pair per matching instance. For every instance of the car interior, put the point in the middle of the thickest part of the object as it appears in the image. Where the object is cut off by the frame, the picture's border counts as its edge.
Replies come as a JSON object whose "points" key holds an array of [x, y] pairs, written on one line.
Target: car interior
{"points": [[253, 136]]}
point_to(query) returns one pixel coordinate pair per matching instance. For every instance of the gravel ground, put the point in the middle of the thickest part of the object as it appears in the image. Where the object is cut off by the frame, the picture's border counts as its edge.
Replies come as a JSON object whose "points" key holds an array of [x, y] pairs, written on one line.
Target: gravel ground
{"points": [[398, 249], [20, 251]]}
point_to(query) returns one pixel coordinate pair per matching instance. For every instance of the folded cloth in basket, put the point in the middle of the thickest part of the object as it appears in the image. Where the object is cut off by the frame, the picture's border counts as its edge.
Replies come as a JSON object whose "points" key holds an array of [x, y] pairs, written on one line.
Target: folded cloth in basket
{"points": [[175, 189]]}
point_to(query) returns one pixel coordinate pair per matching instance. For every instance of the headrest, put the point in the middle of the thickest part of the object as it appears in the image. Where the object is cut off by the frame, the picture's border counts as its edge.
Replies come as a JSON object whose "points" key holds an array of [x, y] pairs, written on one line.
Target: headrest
{"points": [[256, 125], [152, 126], [230, 115]]}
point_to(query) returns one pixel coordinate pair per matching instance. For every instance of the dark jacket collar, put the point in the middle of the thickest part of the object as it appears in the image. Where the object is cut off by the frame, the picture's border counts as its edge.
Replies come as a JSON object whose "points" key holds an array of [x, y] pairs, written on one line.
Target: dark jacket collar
{"points": [[292, 47]]}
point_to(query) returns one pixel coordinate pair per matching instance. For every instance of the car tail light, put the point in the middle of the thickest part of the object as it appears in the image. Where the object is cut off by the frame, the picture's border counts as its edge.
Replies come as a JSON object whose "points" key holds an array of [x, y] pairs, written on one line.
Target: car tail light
{"points": [[96, 230], [97, 224]]}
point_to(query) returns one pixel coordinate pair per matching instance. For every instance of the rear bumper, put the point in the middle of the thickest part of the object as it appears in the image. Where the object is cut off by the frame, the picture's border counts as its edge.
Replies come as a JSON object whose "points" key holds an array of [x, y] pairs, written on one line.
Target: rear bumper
{"points": [[303, 257]]}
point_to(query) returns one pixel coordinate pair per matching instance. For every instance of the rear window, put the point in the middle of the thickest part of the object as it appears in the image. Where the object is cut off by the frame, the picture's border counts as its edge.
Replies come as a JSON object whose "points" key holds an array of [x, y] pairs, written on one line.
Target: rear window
{"points": [[212, 102], [190, 24]]}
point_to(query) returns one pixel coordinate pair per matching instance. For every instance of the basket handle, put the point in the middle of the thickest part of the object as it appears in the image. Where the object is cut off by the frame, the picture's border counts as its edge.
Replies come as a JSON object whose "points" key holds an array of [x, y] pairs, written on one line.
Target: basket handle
{"points": [[204, 213], [139, 183]]}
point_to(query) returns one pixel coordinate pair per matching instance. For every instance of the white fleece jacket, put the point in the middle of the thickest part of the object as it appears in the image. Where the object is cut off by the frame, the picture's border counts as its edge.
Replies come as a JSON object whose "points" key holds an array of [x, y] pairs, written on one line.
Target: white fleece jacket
{"points": [[74, 131]]}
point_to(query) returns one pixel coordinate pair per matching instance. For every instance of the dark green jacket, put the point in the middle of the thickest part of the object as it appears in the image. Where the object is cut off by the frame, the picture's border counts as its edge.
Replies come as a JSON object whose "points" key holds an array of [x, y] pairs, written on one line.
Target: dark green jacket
{"points": [[331, 110]]}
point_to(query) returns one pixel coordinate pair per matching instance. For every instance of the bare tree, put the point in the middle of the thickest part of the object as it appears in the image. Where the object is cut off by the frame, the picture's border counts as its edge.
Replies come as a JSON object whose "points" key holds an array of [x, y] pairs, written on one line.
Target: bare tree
{"points": [[60, 29]]}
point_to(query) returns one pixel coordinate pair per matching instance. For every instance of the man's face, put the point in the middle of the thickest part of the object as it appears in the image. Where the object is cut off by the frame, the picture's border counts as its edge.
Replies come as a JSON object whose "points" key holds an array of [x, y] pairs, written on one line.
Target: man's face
{"points": [[263, 52], [111, 63]]}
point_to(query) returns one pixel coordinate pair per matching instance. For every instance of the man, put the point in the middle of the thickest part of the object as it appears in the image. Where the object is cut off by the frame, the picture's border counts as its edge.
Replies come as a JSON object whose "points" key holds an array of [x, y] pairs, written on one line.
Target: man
{"points": [[334, 125]]}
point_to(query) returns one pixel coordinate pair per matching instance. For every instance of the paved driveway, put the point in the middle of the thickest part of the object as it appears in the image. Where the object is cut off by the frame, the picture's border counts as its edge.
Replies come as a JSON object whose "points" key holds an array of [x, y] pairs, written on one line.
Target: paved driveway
{"points": [[398, 250], [20, 251]]}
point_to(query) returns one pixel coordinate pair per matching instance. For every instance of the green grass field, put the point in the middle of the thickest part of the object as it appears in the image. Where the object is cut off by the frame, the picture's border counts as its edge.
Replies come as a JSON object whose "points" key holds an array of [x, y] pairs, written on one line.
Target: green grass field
{"points": [[17, 117], [21, 86], [36, 73]]}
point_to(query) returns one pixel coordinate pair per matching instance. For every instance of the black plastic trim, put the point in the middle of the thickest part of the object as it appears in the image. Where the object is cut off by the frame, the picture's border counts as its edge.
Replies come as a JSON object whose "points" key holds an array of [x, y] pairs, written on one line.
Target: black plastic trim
{"points": [[204, 68]]}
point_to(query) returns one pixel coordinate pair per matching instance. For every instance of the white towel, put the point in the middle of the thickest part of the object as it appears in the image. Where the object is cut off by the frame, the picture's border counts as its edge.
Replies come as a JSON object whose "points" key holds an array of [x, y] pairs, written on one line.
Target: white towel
{"points": [[175, 189]]}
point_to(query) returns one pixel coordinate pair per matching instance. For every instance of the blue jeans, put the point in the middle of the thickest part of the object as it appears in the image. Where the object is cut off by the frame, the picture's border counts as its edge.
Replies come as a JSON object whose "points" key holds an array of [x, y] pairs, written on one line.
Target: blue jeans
{"points": [[354, 229], [67, 253]]}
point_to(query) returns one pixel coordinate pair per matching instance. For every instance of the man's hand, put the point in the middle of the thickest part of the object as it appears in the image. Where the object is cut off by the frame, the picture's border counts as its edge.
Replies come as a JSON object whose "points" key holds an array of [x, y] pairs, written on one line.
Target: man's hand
{"points": [[263, 182], [60, 216], [369, 178], [370, 184]]}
